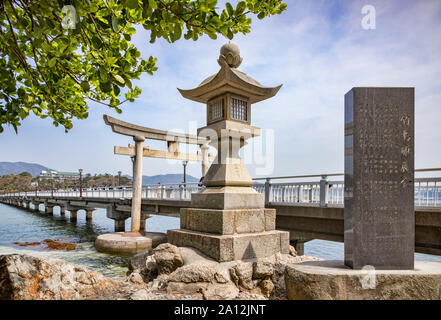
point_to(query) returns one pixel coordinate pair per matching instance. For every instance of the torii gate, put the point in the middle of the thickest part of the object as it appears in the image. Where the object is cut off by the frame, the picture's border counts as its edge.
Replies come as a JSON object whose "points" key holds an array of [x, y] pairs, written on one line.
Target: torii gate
{"points": [[139, 134]]}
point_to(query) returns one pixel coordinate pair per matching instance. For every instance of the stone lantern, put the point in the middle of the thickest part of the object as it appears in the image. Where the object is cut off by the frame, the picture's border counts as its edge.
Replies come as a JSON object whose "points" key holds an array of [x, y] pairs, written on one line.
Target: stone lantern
{"points": [[228, 220]]}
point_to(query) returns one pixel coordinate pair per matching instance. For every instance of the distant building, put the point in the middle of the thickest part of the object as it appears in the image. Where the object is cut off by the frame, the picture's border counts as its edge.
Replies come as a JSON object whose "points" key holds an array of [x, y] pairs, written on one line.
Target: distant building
{"points": [[58, 176]]}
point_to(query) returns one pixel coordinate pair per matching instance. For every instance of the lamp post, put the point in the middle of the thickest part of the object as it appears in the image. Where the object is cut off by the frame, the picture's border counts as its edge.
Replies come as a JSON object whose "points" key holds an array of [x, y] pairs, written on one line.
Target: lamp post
{"points": [[81, 183], [52, 185], [184, 163]]}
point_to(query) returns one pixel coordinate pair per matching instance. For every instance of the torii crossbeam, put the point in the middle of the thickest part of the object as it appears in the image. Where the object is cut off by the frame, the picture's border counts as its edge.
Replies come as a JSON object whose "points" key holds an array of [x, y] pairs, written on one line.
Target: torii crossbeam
{"points": [[173, 139]]}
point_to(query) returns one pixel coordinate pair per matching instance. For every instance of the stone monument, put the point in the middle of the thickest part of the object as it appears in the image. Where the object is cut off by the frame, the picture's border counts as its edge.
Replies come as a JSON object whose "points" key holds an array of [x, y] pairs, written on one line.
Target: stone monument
{"points": [[228, 220], [379, 178], [379, 226]]}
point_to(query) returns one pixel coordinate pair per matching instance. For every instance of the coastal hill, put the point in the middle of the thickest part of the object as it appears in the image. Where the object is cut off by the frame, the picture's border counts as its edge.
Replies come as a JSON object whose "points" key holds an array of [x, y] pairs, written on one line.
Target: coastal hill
{"points": [[18, 167], [15, 168], [167, 178]]}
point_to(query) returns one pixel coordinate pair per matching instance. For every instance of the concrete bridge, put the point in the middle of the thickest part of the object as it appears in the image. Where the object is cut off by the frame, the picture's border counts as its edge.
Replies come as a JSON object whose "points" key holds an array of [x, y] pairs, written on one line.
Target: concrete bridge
{"points": [[307, 209]]}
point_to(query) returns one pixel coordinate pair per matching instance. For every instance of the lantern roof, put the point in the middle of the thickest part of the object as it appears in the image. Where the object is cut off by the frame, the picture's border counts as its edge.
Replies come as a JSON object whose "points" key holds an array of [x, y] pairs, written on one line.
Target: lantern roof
{"points": [[229, 79]]}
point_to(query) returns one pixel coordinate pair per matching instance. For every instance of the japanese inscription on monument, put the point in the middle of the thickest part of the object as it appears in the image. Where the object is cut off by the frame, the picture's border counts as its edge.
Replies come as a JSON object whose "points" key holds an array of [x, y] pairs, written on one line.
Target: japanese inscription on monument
{"points": [[379, 175]]}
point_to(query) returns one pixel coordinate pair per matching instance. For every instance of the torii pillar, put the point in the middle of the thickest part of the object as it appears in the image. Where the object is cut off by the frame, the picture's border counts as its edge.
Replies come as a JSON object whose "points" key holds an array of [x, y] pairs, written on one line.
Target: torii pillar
{"points": [[137, 184]]}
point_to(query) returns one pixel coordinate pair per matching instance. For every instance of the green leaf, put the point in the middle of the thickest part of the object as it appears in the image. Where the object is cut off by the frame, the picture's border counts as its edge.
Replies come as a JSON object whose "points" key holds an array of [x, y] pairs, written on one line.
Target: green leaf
{"points": [[240, 8], [105, 86], [52, 62], [116, 90], [85, 85], [230, 34], [152, 4], [177, 31], [119, 79], [115, 24], [212, 35], [229, 8], [132, 4]]}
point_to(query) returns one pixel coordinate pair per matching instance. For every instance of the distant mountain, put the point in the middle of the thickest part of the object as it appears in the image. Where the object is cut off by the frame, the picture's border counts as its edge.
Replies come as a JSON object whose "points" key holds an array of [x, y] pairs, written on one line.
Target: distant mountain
{"points": [[18, 167], [166, 178]]}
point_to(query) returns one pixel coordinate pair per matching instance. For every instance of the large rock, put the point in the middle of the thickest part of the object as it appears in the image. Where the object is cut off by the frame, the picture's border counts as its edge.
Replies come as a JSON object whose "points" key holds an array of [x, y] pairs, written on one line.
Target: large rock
{"points": [[135, 278], [168, 258], [193, 273], [23, 277], [242, 275], [144, 263], [267, 287], [216, 291], [278, 277], [194, 289], [263, 268], [164, 259], [138, 261], [326, 280], [292, 251]]}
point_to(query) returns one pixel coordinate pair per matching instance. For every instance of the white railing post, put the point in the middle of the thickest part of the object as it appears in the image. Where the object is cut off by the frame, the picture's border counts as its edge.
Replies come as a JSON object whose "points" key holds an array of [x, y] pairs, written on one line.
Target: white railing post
{"points": [[181, 191], [323, 191]]}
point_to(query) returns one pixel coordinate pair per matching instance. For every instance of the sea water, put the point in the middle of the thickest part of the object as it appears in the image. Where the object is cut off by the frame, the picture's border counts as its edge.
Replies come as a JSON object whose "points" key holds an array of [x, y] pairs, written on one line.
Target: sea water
{"points": [[21, 225]]}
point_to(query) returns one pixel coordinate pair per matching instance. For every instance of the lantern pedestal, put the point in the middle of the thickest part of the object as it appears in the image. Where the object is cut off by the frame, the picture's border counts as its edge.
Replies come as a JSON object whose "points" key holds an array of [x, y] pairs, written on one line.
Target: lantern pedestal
{"points": [[227, 235], [225, 248]]}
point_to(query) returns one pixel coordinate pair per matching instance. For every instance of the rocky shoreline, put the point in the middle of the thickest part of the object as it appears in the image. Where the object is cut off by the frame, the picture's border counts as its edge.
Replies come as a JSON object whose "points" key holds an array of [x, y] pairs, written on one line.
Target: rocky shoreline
{"points": [[166, 272]]}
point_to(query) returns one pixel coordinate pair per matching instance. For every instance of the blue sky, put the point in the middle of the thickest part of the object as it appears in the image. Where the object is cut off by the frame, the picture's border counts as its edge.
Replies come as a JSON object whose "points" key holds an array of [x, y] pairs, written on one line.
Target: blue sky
{"points": [[317, 49]]}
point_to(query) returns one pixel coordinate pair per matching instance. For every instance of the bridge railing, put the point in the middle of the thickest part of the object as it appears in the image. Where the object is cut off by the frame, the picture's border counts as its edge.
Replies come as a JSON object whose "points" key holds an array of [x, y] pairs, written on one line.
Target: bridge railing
{"points": [[170, 191], [321, 192], [163, 191], [428, 192], [324, 191]]}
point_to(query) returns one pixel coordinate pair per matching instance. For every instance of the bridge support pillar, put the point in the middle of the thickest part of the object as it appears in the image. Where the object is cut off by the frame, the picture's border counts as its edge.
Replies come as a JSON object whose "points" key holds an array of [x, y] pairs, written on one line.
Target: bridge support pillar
{"points": [[89, 213], [120, 225], [62, 210], [142, 225], [73, 215], [119, 217], [36, 206], [49, 209], [300, 248]]}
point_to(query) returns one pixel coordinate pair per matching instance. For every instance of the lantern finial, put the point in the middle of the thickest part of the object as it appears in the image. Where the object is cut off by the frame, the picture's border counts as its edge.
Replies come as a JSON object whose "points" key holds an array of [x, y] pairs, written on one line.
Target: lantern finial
{"points": [[230, 54]]}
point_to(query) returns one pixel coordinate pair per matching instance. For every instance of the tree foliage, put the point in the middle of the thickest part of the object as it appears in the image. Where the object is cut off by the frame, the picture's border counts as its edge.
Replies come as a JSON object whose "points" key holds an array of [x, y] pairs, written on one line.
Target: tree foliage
{"points": [[56, 55]]}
